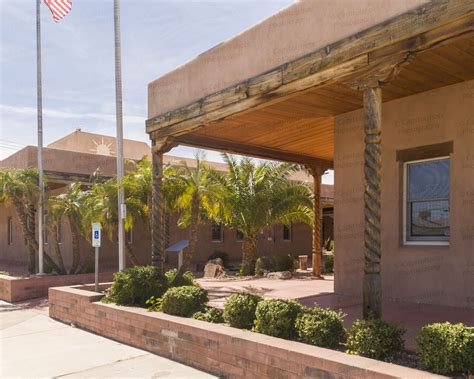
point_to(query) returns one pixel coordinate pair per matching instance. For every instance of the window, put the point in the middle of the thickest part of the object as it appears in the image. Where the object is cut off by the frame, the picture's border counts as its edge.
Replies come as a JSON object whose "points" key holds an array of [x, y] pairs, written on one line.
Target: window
{"points": [[129, 236], [239, 236], [59, 232], [287, 229], [45, 230], [217, 232], [426, 199], [10, 230]]}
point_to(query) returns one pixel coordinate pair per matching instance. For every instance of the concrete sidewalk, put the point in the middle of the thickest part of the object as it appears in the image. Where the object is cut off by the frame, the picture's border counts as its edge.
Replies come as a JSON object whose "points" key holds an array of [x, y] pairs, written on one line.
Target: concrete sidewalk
{"points": [[33, 345]]}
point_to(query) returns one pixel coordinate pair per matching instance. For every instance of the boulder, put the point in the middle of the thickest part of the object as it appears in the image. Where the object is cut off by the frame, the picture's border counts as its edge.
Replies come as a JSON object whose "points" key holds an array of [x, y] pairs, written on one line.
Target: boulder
{"points": [[214, 270], [284, 275]]}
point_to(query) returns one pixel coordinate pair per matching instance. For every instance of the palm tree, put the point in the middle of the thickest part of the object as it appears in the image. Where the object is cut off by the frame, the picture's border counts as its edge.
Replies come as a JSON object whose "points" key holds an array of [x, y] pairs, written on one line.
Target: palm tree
{"points": [[70, 205], [258, 196], [102, 207], [20, 187], [53, 222], [194, 193]]}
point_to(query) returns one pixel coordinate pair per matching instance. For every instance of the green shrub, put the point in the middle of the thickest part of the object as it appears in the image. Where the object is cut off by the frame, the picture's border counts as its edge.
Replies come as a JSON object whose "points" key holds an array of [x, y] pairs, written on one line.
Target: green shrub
{"points": [[210, 315], [277, 317], [187, 279], [375, 338], [239, 310], [135, 285], [154, 304], [321, 327], [446, 348], [47, 268], [328, 263], [222, 255], [184, 301], [274, 263]]}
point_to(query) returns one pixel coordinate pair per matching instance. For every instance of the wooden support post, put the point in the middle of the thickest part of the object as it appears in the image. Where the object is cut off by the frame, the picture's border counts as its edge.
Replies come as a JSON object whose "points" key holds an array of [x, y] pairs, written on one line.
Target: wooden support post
{"points": [[372, 286], [157, 229], [317, 172]]}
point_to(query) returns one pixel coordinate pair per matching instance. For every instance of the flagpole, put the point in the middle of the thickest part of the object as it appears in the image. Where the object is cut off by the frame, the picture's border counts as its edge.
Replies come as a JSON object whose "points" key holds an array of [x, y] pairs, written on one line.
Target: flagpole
{"points": [[40, 137], [119, 119]]}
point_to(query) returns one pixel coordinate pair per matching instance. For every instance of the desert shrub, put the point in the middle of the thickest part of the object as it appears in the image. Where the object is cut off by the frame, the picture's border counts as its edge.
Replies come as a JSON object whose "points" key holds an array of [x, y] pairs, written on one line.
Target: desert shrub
{"points": [[154, 304], [375, 338], [184, 301], [446, 348], [187, 279], [277, 317], [239, 310], [209, 314], [274, 263], [135, 285], [321, 327], [328, 263], [89, 267], [222, 255], [47, 268]]}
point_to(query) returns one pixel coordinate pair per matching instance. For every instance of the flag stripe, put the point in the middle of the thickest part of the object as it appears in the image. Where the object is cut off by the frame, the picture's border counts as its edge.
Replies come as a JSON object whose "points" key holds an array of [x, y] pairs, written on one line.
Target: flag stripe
{"points": [[59, 8]]}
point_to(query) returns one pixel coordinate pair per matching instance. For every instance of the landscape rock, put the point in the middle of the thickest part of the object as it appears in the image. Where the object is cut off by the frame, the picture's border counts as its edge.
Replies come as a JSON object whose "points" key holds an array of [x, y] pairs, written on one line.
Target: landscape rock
{"points": [[214, 270], [284, 275]]}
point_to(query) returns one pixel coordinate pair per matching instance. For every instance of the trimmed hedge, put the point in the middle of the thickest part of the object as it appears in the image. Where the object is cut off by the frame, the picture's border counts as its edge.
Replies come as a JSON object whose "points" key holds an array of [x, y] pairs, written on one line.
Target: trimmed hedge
{"points": [[184, 301], [321, 327], [446, 348], [274, 263], [239, 310], [210, 315], [187, 279], [135, 285], [277, 317], [375, 339]]}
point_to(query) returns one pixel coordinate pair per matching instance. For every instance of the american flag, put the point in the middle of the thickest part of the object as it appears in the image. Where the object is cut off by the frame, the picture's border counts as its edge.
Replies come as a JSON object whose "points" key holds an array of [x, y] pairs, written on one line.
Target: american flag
{"points": [[59, 8]]}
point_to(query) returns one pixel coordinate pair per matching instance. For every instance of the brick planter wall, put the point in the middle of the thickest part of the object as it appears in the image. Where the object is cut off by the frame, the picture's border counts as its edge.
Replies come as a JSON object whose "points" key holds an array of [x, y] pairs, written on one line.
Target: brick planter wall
{"points": [[218, 349], [13, 289]]}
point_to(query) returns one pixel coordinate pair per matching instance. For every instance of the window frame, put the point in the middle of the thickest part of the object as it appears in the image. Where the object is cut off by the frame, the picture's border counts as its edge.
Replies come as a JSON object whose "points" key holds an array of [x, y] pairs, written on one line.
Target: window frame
{"points": [[129, 236], [237, 236], [45, 230], [59, 232], [290, 231], [221, 234], [9, 230], [434, 241]]}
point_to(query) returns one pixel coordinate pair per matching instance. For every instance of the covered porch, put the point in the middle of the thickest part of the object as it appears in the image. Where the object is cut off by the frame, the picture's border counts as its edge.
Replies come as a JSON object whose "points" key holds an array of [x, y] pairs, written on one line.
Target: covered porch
{"points": [[306, 110]]}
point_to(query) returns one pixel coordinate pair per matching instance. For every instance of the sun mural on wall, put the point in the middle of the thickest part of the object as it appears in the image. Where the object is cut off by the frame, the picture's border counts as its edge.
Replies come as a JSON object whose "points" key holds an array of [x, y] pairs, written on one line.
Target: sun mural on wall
{"points": [[102, 148]]}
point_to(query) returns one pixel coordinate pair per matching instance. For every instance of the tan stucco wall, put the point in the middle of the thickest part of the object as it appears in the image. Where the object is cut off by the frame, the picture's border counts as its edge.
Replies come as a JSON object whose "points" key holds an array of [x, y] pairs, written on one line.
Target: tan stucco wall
{"points": [[298, 29], [18, 252], [425, 274]]}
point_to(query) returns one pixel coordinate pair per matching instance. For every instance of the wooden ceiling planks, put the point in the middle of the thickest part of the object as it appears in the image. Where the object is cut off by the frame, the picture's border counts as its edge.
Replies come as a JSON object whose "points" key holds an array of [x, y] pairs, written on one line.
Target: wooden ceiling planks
{"points": [[303, 124]]}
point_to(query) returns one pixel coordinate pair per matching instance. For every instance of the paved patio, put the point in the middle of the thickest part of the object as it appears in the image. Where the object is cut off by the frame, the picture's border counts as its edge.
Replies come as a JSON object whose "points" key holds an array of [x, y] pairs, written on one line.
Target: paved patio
{"points": [[309, 292]]}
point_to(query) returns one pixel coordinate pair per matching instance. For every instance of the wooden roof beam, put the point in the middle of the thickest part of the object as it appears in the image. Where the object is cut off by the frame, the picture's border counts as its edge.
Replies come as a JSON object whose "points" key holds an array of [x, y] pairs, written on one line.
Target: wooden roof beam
{"points": [[422, 28], [251, 150]]}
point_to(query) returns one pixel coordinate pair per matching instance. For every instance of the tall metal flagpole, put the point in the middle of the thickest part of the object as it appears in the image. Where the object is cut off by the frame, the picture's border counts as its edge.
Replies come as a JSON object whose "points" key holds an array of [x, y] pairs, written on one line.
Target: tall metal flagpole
{"points": [[118, 105], [40, 137]]}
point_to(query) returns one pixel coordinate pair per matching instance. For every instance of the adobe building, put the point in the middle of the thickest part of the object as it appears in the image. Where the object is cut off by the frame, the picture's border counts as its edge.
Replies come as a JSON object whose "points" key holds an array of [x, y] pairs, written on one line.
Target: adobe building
{"points": [[76, 156], [381, 91]]}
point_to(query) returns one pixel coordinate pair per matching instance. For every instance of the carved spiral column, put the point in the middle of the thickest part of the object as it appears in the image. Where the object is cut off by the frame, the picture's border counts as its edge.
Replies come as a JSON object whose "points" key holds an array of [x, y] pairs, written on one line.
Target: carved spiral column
{"points": [[157, 227], [316, 172], [372, 288]]}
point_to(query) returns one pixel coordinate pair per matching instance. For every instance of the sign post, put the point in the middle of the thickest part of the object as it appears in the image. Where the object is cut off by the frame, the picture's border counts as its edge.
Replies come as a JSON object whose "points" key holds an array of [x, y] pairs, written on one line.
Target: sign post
{"points": [[96, 245]]}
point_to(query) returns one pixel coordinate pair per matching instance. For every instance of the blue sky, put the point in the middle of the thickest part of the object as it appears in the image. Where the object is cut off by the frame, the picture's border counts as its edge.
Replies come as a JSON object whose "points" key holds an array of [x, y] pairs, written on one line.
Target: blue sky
{"points": [[78, 61]]}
